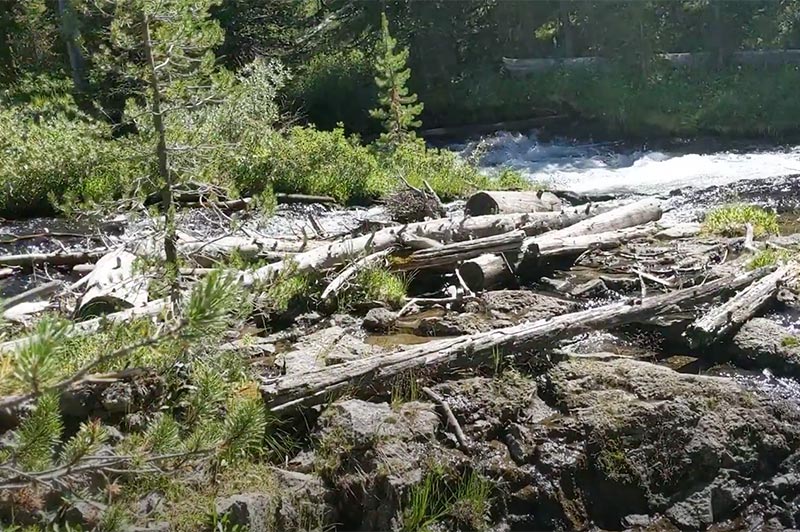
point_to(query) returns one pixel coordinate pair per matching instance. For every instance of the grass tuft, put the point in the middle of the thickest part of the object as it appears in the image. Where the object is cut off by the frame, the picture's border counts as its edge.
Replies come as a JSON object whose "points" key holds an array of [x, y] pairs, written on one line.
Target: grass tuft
{"points": [[730, 220], [767, 257], [465, 500], [790, 341]]}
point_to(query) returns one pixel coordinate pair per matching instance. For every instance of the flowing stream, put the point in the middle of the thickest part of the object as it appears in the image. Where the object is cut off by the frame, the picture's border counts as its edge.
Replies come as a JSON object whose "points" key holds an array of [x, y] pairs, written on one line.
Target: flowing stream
{"points": [[617, 167]]}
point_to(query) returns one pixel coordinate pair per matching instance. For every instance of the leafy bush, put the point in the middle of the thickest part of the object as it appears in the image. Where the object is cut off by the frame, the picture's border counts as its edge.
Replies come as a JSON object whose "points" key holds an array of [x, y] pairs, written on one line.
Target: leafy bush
{"points": [[378, 284], [42, 162], [730, 220], [311, 162]]}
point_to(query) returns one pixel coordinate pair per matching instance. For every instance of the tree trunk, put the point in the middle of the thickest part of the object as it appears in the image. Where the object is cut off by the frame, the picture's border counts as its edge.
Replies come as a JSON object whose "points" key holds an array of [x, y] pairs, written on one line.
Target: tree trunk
{"points": [[725, 319], [170, 248], [315, 387], [553, 246], [69, 32], [490, 202], [485, 272]]}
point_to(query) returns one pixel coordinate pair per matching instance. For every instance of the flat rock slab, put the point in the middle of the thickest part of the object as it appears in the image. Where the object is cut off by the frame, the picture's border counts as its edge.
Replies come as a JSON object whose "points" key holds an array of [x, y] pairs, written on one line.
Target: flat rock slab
{"points": [[323, 348]]}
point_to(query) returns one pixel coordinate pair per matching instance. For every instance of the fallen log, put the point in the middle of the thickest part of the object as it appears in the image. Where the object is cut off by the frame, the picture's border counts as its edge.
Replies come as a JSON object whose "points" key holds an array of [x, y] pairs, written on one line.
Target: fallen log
{"points": [[486, 271], [92, 325], [112, 286], [290, 392], [443, 230], [507, 202], [548, 245], [638, 213], [206, 253], [728, 317], [459, 251], [38, 291], [54, 259], [6, 272]]}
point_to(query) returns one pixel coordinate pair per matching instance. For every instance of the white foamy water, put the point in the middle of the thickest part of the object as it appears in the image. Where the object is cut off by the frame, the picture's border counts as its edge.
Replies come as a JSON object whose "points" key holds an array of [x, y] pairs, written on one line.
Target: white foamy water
{"points": [[609, 167]]}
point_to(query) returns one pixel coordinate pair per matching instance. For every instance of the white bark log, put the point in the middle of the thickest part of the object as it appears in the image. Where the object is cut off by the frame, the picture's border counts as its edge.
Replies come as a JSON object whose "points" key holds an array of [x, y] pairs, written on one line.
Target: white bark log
{"points": [[113, 286], [725, 319], [500, 202]]}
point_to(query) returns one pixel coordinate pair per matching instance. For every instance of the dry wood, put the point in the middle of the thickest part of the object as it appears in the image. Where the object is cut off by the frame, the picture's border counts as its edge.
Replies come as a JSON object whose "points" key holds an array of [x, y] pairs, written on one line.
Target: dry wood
{"points": [[485, 272], [443, 230], [463, 443], [38, 291], [206, 253], [6, 272], [54, 259], [459, 251], [292, 391], [112, 285], [641, 212], [550, 245], [499, 202], [725, 319]]}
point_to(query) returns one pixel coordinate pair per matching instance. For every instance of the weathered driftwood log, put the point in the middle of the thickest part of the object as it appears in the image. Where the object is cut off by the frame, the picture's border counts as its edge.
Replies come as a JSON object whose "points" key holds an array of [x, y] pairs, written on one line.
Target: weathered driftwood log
{"points": [[501, 202], [459, 251], [548, 245], [38, 291], [206, 253], [315, 387], [443, 230], [112, 285], [95, 324], [54, 259], [726, 318], [638, 213], [6, 272], [487, 271]]}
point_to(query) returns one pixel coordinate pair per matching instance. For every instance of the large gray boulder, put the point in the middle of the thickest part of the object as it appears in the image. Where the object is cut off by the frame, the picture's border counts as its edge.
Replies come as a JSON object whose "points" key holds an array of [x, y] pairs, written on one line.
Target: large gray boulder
{"points": [[764, 344]]}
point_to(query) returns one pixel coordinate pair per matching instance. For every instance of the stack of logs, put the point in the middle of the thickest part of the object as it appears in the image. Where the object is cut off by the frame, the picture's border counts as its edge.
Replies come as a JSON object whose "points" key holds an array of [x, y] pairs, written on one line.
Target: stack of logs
{"points": [[502, 235]]}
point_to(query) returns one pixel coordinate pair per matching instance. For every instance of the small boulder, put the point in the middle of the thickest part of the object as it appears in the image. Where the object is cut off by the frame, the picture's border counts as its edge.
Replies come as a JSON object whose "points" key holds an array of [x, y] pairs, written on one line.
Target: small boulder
{"points": [[379, 320]]}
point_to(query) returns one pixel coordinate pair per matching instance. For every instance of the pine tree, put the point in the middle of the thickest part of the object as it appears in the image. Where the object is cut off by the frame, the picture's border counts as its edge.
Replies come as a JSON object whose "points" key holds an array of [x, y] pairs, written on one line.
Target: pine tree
{"points": [[398, 109], [166, 47]]}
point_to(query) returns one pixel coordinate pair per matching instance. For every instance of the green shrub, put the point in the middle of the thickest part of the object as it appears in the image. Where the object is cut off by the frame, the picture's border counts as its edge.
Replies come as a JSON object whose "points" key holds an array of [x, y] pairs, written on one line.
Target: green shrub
{"points": [[730, 220], [378, 284], [790, 341], [309, 161], [43, 162]]}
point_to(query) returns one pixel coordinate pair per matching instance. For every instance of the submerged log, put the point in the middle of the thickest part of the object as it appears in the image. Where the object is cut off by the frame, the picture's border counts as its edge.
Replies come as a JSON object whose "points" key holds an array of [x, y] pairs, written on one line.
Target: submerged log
{"points": [[506, 202], [293, 391], [112, 285], [485, 272], [459, 251], [727, 318]]}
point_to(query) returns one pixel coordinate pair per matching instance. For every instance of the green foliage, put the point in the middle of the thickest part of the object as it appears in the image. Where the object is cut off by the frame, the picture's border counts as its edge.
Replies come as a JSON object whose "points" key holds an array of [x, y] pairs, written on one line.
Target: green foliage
{"points": [[767, 257], [376, 284], [45, 162], [312, 162], [398, 109], [467, 500], [291, 289], [244, 428], [37, 363], [730, 220], [90, 436], [38, 434], [790, 341]]}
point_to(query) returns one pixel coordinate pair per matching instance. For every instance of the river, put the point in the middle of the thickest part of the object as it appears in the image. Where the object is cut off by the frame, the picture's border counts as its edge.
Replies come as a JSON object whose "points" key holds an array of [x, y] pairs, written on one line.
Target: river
{"points": [[619, 167]]}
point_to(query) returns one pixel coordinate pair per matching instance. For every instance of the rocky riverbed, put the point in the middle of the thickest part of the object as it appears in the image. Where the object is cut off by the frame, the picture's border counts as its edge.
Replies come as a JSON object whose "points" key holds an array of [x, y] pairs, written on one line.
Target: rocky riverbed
{"points": [[627, 428]]}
